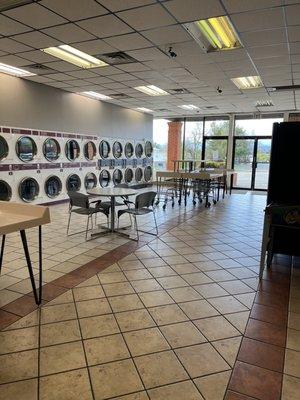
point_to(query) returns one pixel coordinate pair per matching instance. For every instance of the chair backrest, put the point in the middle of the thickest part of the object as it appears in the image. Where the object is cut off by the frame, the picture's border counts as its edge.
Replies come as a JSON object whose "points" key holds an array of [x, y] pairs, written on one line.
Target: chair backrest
{"points": [[78, 199], [145, 200], [284, 215]]}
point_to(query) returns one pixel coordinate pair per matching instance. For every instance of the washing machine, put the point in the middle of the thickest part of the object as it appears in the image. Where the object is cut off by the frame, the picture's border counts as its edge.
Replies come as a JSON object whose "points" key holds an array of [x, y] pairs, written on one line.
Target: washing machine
{"points": [[148, 149], [71, 148], [148, 172], [73, 182], [6, 186], [53, 187], [138, 175], [139, 149], [7, 150], [27, 148]]}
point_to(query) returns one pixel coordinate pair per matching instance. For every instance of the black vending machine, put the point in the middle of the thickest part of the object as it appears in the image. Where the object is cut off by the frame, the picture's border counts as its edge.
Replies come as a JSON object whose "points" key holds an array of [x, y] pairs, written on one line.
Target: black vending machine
{"points": [[284, 181]]}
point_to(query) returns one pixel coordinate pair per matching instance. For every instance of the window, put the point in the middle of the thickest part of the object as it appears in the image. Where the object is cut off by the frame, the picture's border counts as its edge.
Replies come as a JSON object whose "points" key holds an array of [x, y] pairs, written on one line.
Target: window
{"points": [[160, 143], [215, 142], [193, 140], [255, 127]]}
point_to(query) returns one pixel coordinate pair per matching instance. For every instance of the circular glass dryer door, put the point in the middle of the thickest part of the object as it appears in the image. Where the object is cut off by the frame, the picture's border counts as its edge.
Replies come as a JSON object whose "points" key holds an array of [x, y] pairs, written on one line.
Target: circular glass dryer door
{"points": [[90, 180], [129, 150], [128, 175], [148, 173], [53, 186], [148, 149], [3, 148], [73, 183], [72, 150], [117, 150], [26, 148], [104, 178], [117, 176], [28, 189], [138, 174], [5, 191], [51, 149], [139, 150], [90, 151], [104, 149]]}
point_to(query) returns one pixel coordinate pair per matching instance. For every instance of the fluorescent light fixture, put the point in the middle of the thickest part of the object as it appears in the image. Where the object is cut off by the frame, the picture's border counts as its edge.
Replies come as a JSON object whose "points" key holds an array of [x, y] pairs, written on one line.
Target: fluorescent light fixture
{"points": [[214, 34], [96, 95], [74, 56], [189, 107], [264, 103], [144, 109], [10, 70], [247, 82], [151, 90]]}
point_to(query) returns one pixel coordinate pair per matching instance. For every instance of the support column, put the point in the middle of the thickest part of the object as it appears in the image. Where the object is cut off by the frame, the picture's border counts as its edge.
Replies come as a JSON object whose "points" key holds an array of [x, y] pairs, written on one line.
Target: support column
{"points": [[174, 143]]}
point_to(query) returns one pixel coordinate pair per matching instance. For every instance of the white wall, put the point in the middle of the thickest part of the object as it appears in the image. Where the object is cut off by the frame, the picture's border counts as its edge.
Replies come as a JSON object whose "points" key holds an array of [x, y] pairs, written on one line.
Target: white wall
{"points": [[33, 105]]}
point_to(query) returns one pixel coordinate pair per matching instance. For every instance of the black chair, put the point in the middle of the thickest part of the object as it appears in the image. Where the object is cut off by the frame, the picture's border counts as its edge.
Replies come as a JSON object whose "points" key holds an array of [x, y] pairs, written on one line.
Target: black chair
{"points": [[85, 206], [144, 204]]}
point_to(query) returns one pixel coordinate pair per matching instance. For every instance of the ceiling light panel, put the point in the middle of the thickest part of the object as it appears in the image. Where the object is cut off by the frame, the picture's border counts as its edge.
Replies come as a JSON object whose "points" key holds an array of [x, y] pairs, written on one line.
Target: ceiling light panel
{"points": [[144, 109], [214, 34], [264, 103], [74, 56], [189, 107], [151, 90], [10, 70], [96, 95], [248, 82]]}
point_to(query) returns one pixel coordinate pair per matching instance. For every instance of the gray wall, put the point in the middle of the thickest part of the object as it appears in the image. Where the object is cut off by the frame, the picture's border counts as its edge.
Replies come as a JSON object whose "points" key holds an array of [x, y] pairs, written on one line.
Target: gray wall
{"points": [[28, 104]]}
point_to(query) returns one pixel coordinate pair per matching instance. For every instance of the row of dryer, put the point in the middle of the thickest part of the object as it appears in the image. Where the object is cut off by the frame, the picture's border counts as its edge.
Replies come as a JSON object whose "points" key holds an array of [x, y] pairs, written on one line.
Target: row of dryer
{"points": [[40, 187], [27, 146], [41, 167]]}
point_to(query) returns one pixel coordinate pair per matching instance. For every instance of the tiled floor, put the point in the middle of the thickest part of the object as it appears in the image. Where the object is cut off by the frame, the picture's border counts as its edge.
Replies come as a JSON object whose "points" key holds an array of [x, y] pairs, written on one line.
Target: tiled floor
{"points": [[164, 319]]}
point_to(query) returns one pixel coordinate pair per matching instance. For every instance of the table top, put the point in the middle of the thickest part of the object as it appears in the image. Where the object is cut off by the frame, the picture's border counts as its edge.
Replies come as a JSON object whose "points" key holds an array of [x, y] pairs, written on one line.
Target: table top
{"points": [[112, 192], [16, 216]]}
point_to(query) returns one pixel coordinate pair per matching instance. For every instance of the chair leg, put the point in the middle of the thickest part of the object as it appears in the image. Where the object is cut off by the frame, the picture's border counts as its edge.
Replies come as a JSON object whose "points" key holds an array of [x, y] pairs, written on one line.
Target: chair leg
{"points": [[155, 222], [264, 246], [70, 214], [2, 251], [87, 227], [136, 228]]}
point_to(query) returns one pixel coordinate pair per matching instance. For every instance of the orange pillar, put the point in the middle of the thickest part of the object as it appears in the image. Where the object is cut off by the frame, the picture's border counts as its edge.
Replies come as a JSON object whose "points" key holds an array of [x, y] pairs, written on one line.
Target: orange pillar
{"points": [[174, 143]]}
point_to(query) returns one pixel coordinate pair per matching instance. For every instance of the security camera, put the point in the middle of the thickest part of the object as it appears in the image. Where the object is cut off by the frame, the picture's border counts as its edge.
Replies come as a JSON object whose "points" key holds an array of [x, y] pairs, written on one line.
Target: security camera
{"points": [[172, 53], [219, 90]]}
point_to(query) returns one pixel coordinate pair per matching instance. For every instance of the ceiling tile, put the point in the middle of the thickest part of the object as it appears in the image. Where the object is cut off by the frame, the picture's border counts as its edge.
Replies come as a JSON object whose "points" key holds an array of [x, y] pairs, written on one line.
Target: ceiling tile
{"points": [[106, 71], [37, 56], [11, 46], [62, 66], [78, 10], [83, 74], [269, 51], [105, 26], [151, 53], [68, 33], [258, 20], [14, 61], [94, 47], [133, 67], [11, 27], [131, 41], [123, 77], [117, 5], [35, 15], [294, 48], [37, 40], [294, 33], [192, 10], [99, 80], [236, 6], [156, 16], [167, 35], [293, 14], [38, 78], [60, 77], [264, 38]]}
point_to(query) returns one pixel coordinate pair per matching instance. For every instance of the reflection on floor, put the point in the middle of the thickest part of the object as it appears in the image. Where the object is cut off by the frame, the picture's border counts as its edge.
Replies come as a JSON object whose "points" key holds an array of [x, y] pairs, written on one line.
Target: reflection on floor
{"points": [[164, 322]]}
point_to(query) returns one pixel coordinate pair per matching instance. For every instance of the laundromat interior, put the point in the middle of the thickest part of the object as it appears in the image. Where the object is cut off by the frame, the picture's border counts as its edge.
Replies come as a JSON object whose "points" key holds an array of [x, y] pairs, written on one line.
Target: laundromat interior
{"points": [[149, 200]]}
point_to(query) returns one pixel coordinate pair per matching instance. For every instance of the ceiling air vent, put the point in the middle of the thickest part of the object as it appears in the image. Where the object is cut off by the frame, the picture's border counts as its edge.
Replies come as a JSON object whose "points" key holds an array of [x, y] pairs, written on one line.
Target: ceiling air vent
{"points": [[264, 103], [116, 58], [179, 91], [162, 110], [210, 108], [40, 69], [120, 96], [9, 4]]}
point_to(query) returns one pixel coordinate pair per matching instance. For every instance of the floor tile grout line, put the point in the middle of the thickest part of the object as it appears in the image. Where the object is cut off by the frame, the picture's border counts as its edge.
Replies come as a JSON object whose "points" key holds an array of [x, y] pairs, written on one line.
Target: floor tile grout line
{"points": [[83, 347]]}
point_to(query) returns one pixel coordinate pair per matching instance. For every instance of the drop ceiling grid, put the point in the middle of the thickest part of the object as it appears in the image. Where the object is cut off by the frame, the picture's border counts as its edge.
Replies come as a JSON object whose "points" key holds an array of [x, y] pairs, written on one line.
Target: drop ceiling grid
{"points": [[199, 72]]}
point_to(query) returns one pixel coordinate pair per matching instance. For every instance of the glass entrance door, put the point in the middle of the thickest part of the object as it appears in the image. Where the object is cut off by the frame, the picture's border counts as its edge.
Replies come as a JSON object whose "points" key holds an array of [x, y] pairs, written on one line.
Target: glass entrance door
{"points": [[251, 159]]}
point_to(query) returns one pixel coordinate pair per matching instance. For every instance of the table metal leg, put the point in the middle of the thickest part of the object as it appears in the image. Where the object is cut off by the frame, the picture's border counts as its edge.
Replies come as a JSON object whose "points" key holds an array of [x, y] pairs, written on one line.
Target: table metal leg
{"points": [[29, 265], [112, 216], [2, 251]]}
